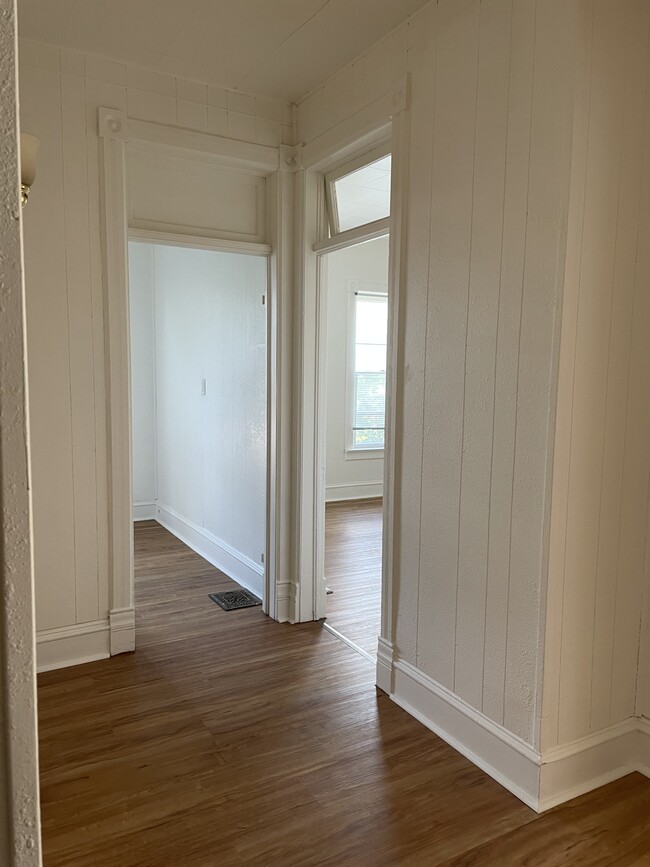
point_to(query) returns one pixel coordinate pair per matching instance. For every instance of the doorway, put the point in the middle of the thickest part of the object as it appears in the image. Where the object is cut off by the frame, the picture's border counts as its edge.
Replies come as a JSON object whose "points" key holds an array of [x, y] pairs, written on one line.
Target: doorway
{"points": [[199, 403], [354, 280]]}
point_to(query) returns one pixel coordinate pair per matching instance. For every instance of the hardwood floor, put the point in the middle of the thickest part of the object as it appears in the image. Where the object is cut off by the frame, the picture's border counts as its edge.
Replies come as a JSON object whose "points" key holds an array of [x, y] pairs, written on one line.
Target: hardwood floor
{"points": [[353, 570], [228, 739]]}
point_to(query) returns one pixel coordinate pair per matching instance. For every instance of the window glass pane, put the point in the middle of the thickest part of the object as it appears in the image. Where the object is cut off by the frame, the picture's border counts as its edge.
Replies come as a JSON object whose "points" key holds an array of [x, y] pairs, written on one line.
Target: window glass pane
{"points": [[363, 196], [369, 372], [371, 320]]}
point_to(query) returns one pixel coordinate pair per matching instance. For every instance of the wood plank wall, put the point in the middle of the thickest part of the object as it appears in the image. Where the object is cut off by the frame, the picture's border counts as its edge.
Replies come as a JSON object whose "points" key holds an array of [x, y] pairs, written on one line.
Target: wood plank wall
{"points": [[602, 454], [490, 160]]}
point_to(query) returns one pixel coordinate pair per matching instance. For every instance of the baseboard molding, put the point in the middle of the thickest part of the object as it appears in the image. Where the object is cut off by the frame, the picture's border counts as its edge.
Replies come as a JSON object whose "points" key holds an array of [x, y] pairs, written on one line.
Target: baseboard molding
{"points": [[72, 645], [353, 491], [238, 566], [590, 762], [144, 510], [502, 755], [540, 781]]}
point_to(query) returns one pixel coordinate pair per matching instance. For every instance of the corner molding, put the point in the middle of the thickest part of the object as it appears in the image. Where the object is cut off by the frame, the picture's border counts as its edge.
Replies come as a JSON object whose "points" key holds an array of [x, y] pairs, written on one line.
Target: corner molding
{"points": [[122, 630]]}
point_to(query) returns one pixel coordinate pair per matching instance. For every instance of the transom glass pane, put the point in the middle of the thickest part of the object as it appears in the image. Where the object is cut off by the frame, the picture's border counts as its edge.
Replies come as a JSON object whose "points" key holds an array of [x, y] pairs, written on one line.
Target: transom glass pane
{"points": [[363, 196]]}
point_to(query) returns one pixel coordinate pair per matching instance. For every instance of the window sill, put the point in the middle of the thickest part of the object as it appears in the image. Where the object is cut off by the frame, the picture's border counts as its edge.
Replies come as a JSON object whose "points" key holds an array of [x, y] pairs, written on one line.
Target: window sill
{"points": [[363, 454]]}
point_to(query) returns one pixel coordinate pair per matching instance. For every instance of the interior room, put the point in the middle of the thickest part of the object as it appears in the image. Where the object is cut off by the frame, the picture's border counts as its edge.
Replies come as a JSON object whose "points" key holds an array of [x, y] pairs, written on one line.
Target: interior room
{"points": [[355, 281], [311, 296], [198, 397]]}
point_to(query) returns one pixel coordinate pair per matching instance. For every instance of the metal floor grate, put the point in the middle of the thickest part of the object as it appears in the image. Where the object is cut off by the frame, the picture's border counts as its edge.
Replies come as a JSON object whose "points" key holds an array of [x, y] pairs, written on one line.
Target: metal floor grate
{"points": [[231, 600]]}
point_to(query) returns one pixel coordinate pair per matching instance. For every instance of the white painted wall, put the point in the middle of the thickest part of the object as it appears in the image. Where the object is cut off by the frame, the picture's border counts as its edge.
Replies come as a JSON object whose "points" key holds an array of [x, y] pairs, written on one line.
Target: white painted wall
{"points": [[367, 266], [206, 451], [143, 393], [20, 844], [599, 525], [490, 97], [60, 92]]}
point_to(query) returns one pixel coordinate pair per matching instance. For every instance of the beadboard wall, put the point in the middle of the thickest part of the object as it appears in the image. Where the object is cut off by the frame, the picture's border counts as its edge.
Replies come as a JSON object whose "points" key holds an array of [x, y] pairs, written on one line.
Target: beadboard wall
{"points": [[602, 442], [490, 114]]}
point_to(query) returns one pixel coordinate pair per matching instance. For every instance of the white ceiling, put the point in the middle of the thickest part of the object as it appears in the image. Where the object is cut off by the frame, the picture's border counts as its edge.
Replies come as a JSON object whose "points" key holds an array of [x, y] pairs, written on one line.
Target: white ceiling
{"points": [[280, 48]]}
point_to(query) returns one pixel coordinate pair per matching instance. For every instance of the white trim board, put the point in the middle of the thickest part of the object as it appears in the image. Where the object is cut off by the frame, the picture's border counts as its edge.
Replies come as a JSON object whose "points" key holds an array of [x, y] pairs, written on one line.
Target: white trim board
{"points": [[72, 645], [144, 510], [353, 491], [236, 565], [539, 780], [502, 755]]}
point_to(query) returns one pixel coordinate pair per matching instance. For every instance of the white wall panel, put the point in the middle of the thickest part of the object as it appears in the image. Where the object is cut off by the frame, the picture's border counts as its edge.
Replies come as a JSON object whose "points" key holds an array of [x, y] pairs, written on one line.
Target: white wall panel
{"points": [[60, 92], [210, 334], [602, 455]]}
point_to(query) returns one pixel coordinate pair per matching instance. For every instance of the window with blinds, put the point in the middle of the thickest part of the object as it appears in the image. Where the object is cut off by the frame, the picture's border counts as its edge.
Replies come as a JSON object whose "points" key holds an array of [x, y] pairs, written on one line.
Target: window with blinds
{"points": [[369, 373]]}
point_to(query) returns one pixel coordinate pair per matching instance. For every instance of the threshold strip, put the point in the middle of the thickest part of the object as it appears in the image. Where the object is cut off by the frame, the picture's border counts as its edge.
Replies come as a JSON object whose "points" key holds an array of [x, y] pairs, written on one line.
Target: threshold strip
{"points": [[349, 643]]}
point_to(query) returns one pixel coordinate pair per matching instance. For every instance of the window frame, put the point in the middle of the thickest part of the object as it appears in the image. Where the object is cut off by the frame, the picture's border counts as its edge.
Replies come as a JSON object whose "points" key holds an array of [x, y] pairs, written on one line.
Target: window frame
{"points": [[342, 171], [352, 451]]}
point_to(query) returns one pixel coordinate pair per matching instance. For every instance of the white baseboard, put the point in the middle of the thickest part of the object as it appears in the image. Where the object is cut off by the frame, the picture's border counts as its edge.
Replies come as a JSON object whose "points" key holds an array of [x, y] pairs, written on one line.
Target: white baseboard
{"points": [[540, 781], [353, 491], [238, 566], [72, 645], [502, 755], [144, 510], [590, 762]]}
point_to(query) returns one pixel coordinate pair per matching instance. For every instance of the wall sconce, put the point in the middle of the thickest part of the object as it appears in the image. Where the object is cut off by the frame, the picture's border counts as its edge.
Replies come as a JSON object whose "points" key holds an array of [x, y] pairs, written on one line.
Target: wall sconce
{"points": [[28, 149]]}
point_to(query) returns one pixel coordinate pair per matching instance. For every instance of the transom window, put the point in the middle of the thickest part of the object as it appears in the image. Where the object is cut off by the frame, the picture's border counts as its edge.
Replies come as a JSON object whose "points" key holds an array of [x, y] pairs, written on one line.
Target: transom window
{"points": [[359, 192]]}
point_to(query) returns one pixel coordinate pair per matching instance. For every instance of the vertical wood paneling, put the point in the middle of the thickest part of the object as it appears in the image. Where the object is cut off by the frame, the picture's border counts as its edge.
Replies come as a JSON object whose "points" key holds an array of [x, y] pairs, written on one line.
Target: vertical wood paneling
{"points": [[421, 60], [548, 182], [564, 398], [619, 341], [490, 126], [506, 358], [485, 266], [602, 445], [49, 357], [590, 373], [75, 187], [447, 305]]}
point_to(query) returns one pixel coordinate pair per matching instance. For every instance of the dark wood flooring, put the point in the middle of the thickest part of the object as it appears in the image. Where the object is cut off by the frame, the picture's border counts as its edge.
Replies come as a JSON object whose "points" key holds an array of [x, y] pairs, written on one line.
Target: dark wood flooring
{"points": [[353, 570], [228, 739]]}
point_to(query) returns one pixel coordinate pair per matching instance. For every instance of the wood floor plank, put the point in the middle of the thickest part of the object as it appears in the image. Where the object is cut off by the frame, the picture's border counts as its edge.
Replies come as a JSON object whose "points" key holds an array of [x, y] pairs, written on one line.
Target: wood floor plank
{"points": [[353, 539], [228, 739]]}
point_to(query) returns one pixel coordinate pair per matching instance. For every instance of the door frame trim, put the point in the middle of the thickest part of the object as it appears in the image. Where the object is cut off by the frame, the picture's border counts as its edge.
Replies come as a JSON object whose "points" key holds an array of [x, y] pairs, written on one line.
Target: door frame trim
{"points": [[385, 120], [116, 132]]}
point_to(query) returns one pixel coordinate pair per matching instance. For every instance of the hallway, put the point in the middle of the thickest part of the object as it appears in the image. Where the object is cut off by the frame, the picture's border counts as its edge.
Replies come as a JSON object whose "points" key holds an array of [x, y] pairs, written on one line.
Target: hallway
{"points": [[228, 739]]}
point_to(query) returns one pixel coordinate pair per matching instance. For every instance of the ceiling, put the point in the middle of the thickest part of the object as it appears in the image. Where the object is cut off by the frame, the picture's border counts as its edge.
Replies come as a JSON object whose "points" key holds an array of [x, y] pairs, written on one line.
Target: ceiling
{"points": [[279, 48]]}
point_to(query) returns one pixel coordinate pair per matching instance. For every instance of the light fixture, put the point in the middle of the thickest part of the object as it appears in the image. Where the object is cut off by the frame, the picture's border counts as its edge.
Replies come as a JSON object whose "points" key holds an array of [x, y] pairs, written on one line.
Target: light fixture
{"points": [[28, 149]]}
